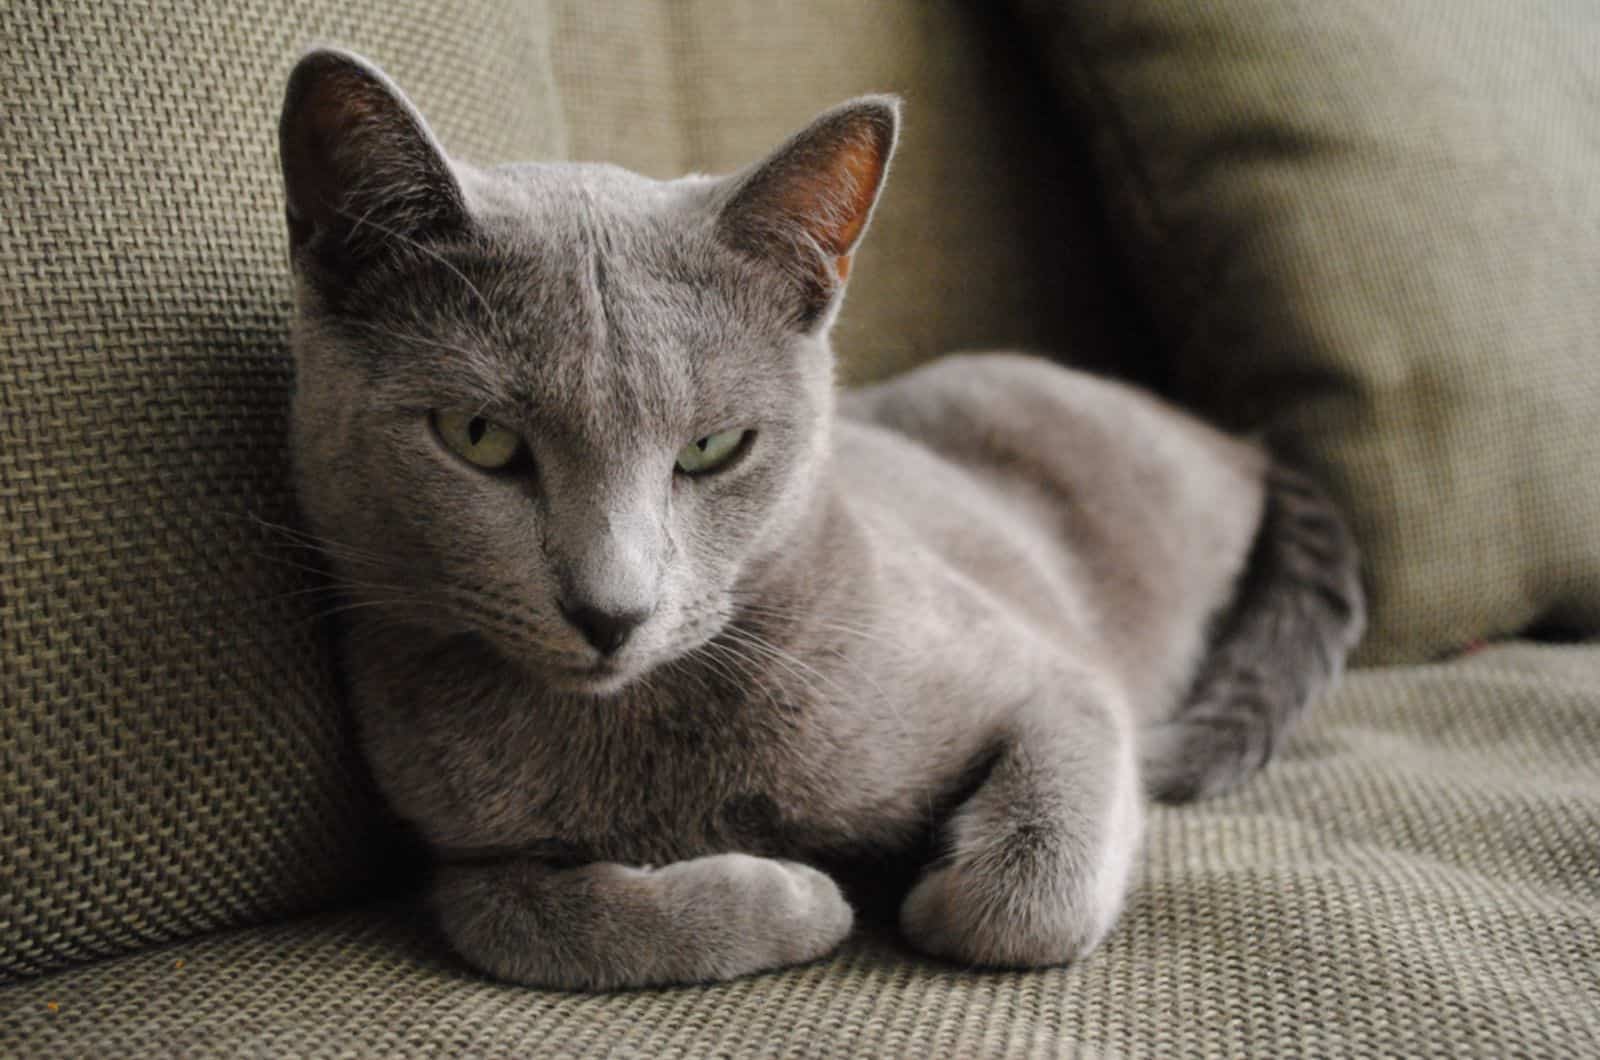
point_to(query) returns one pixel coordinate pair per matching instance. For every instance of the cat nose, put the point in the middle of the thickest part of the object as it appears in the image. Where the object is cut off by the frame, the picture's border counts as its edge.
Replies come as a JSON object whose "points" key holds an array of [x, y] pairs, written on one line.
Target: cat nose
{"points": [[606, 630]]}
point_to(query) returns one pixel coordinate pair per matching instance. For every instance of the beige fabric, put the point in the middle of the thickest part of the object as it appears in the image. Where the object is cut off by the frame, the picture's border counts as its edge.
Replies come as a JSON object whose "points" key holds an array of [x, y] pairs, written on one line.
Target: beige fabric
{"points": [[1417, 877], [172, 755], [1374, 228]]}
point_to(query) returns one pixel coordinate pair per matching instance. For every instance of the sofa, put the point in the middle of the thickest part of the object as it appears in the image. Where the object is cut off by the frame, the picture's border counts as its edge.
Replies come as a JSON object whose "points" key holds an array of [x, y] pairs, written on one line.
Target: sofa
{"points": [[1366, 231]]}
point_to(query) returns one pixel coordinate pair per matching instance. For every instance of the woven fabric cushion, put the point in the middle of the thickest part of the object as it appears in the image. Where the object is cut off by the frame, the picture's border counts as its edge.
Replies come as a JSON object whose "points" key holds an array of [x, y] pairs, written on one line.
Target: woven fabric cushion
{"points": [[1373, 228], [1414, 877], [172, 753]]}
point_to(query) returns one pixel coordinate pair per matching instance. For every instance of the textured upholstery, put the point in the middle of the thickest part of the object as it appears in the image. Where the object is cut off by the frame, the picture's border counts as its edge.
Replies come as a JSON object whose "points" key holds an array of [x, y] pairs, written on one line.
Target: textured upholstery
{"points": [[1373, 228], [1416, 877]]}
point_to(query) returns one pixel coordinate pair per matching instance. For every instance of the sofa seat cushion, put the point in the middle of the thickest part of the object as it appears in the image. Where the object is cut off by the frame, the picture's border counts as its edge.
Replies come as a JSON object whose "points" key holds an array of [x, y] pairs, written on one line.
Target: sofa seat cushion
{"points": [[1415, 877]]}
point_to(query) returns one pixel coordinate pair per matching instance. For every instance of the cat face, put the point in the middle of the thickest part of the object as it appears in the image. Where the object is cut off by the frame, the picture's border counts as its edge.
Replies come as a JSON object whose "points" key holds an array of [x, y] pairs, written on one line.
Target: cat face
{"points": [[565, 410], [502, 425]]}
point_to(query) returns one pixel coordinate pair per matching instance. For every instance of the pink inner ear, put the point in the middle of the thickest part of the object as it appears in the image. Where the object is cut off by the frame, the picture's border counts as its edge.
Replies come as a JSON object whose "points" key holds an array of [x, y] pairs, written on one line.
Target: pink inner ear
{"points": [[832, 203], [805, 207], [860, 169]]}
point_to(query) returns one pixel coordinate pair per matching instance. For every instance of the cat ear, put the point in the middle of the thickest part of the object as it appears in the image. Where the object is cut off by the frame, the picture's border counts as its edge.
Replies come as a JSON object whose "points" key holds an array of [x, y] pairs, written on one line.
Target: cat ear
{"points": [[804, 207], [360, 167]]}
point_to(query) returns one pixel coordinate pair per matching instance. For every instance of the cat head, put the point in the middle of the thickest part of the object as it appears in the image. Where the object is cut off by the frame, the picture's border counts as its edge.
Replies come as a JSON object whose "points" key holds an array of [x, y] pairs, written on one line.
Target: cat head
{"points": [[564, 409]]}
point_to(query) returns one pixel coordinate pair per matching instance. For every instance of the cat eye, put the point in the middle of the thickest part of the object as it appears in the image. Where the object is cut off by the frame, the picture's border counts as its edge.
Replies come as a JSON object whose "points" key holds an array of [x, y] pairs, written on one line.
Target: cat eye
{"points": [[477, 440], [711, 452]]}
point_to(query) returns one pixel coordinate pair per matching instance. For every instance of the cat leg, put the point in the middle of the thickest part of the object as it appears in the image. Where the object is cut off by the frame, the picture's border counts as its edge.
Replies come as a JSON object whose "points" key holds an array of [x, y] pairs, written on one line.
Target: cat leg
{"points": [[1038, 859], [605, 926]]}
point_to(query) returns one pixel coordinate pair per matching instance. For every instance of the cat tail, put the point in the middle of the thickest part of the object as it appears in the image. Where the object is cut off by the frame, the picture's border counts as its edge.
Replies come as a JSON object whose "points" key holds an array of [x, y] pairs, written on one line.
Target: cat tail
{"points": [[1297, 611]]}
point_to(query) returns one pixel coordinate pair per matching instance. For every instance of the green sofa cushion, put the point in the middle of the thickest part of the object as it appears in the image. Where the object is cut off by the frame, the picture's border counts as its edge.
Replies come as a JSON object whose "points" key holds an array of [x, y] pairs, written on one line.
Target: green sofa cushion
{"points": [[1373, 229], [1415, 877]]}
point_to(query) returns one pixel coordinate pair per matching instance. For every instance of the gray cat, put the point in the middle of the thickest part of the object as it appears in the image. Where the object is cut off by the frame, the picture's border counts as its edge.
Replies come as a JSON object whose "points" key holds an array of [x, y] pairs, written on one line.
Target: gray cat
{"points": [[645, 622]]}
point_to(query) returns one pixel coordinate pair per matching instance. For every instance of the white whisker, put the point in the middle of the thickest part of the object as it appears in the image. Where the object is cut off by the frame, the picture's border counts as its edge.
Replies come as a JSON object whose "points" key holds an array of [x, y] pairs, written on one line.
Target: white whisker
{"points": [[812, 680]]}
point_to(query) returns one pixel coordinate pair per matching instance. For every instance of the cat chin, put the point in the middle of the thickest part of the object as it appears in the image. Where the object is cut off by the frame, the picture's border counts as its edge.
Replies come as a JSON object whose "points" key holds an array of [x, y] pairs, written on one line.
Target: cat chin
{"points": [[604, 680], [600, 682]]}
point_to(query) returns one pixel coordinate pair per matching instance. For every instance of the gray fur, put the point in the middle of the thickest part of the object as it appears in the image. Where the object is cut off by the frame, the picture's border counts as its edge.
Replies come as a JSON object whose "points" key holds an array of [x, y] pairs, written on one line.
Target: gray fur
{"points": [[956, 606], [1282, 643]]}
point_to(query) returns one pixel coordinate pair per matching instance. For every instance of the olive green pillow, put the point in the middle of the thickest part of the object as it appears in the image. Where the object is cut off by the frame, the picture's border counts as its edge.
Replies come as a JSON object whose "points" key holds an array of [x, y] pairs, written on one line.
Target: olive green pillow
{"points": [[1373, 229], [173, 755]]}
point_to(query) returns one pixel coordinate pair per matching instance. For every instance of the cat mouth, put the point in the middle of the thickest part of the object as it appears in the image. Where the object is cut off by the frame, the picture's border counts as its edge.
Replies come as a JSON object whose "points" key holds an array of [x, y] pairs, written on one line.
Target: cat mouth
{"points": [[598, 678], [608, 674]]}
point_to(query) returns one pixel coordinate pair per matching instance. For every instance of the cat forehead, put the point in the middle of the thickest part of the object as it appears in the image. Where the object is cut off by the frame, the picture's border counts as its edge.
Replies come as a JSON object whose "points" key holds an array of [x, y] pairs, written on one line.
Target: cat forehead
{"points": [[592, 290], [600, 239], [606, 267], [584, 202]]}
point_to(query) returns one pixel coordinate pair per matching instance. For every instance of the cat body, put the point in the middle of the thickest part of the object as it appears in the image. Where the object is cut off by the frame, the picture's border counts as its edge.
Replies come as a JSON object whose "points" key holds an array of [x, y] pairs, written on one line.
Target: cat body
{"points": [[632, 704]]}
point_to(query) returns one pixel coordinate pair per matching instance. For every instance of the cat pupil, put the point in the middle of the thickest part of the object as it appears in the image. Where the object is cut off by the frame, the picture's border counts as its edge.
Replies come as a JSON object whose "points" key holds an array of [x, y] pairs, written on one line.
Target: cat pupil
{"points": [[702, 443], [476, 429]]}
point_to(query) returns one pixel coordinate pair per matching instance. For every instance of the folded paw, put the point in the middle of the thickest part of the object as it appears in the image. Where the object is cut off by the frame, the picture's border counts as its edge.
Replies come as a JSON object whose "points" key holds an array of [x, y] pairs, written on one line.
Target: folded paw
{"points": [[604, 926], [768, 912]]}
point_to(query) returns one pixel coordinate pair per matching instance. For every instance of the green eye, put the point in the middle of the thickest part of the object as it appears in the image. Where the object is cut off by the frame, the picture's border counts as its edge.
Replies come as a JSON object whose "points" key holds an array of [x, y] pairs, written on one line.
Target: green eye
{"points": [[711, 452], [477, 440]]}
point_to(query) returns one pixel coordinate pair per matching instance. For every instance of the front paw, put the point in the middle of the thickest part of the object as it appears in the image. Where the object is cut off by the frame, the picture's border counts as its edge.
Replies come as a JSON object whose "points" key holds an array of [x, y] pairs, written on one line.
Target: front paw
{"points": [[771, 913], [994, 914], [603, 926]]}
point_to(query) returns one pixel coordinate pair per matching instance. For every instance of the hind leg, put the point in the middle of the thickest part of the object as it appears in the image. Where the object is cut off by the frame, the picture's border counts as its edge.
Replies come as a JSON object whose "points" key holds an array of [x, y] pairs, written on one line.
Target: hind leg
{"points": [[1038, 859]]}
